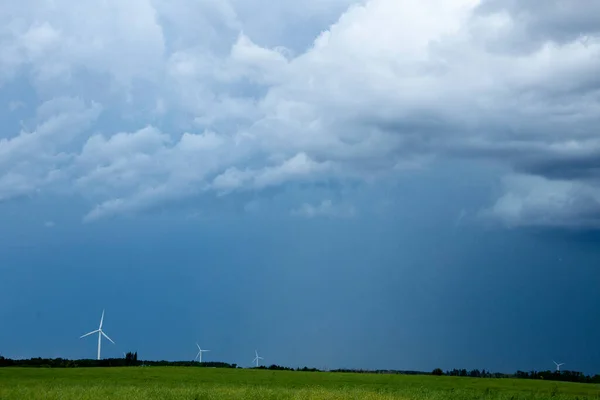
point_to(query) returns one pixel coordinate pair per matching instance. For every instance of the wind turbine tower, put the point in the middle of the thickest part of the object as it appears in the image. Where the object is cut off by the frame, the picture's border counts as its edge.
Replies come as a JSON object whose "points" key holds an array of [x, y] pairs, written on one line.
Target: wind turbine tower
{"points": [[558, 365], [199, 355], [257, 358], [100, 334]]}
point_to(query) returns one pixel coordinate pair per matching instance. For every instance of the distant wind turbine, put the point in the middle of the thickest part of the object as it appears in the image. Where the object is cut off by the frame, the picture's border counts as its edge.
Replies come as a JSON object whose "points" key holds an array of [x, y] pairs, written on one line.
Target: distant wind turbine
{"points": [[257, 358], [199, 355], [100, 334], [558, 365]]}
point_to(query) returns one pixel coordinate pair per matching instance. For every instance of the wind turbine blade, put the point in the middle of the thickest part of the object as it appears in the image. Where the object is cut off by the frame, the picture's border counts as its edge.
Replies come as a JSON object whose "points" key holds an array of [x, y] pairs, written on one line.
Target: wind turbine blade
{"points": [[106, 336], [87, 334], [101, 319]]}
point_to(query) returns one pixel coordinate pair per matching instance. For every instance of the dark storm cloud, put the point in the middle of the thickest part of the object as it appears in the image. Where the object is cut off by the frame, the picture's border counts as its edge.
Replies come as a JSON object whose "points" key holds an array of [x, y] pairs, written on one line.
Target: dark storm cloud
{"points": [[562, 167]]}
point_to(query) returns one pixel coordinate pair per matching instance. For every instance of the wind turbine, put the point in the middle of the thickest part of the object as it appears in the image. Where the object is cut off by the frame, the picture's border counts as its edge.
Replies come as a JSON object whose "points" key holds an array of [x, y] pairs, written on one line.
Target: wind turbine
{"points": [[199, 355], [100, 334], [257, 358], [558, 365]]}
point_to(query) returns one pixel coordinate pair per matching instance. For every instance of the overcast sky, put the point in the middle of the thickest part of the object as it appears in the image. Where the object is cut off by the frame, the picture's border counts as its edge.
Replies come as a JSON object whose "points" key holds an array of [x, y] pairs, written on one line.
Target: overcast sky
{"points": [[403, 184]]}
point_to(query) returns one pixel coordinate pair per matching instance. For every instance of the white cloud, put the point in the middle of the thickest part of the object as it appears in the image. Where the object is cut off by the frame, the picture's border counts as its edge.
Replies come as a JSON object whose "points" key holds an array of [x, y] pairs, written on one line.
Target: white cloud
{"points": [[299, 167], [265, 66], [123, 39], [536, 201], [34, 159], [324, 209], [387, 87]]}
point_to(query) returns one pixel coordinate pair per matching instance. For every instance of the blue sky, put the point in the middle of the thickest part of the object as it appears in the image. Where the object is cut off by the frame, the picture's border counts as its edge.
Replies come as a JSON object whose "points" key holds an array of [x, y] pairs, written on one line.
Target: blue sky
{"points": [[362, 184]]}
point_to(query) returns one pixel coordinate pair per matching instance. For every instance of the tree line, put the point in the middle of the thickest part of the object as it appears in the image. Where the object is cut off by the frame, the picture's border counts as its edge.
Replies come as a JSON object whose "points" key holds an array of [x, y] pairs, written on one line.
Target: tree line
{"points": [[131, 360], [564, 376]]}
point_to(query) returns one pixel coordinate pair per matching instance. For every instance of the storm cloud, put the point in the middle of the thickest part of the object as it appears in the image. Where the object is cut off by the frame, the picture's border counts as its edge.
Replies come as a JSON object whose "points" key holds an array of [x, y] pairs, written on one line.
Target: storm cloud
{"points": [[146, 106]]}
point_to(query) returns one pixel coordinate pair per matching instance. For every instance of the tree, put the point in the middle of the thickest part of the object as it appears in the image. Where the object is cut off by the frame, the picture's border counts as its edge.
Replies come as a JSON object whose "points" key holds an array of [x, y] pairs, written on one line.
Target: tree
{"points": [[437, 372], [131, 358]]}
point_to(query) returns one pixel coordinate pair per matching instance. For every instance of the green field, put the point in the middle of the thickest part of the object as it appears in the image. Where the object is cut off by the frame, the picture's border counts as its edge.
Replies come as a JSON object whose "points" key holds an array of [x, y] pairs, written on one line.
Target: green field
{"points": [[190, 383]]}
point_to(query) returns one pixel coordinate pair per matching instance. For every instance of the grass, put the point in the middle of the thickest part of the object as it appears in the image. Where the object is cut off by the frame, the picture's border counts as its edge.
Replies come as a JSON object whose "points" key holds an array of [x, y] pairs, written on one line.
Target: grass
{"points": [[178, 383]]}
